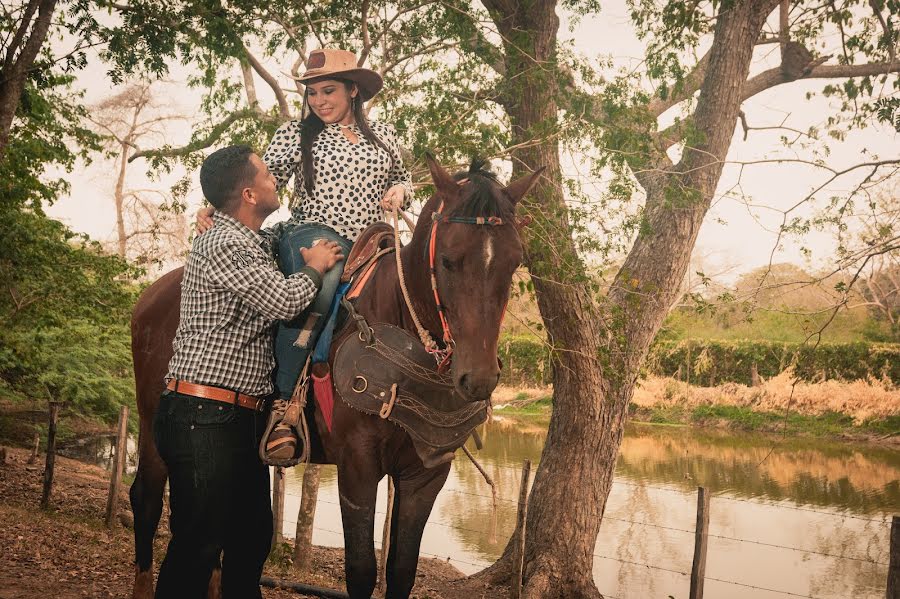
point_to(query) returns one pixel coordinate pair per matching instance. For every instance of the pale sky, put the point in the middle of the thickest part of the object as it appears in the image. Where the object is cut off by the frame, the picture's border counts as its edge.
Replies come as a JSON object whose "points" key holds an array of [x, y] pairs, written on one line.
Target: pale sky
{"points": [[732, 236]]}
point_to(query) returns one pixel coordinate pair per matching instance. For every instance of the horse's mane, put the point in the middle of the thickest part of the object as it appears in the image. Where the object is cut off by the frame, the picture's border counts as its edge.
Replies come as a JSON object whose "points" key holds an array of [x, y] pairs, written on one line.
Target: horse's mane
{"points": [[484, 199]]}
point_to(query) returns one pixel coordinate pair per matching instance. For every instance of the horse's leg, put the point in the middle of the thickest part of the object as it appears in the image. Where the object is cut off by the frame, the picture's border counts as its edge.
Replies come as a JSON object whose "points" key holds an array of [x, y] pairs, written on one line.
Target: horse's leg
{"points": [[414, 495], [358, 478], [146, 495]]}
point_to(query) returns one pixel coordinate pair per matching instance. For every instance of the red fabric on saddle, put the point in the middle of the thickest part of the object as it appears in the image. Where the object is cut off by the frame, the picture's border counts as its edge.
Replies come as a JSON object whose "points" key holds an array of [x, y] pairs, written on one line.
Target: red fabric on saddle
{"points": [[324, 394]]}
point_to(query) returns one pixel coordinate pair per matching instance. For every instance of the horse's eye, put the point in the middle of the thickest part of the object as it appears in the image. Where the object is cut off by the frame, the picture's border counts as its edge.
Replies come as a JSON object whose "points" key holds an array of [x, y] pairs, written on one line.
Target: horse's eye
{"points": [[446, 263]]}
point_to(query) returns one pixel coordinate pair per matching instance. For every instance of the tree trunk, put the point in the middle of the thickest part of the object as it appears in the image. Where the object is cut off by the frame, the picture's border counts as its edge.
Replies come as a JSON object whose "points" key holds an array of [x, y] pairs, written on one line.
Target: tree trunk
{"points": [[14, 71], [120, 201], [306, 516], [600, 346]]}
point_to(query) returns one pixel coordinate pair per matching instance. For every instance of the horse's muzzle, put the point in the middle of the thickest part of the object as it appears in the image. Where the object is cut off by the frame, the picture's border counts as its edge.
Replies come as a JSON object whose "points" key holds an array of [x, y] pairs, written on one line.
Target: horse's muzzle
{"points": [[478, 387]]}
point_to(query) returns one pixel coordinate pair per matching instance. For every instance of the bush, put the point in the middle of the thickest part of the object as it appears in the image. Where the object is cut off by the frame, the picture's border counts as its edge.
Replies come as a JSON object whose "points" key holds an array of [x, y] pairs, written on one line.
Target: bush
{"points": [[527, 361]]}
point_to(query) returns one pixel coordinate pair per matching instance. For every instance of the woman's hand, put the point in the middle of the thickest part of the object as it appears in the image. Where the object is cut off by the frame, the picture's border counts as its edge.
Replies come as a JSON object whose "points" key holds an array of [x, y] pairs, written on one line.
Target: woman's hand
{"points": [[204, 221], [393, 198]]}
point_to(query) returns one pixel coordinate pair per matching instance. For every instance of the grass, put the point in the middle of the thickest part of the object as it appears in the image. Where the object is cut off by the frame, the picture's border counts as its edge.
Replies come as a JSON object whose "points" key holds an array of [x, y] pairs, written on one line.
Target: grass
{"points": [[827, 424]]}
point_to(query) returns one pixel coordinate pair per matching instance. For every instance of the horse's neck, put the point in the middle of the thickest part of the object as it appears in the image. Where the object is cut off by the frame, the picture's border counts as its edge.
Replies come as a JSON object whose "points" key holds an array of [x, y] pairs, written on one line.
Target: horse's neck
{"points": [[381, 300]]}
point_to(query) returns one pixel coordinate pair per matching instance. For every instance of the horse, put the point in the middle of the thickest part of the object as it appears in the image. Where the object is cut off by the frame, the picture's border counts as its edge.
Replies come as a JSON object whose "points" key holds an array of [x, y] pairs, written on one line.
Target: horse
{"points": [[473, 268]]}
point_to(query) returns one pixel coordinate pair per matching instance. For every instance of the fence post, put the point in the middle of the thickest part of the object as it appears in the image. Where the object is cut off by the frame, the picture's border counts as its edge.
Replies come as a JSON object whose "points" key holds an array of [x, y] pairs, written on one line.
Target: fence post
{"points": [[701, 533], [521, 520], [51, 455], [277, 506], [893, 581], [115, 482], [386, 536]]}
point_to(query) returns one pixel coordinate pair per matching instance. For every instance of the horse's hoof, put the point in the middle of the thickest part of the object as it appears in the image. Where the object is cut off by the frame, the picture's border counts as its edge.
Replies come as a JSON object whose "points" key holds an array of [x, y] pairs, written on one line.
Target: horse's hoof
{"points": [[215, 584], [143, 584]]}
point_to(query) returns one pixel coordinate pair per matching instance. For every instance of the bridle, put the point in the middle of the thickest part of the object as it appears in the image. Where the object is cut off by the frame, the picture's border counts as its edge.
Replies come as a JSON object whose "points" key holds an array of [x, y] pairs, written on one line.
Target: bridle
{"points": [[441, 355]]}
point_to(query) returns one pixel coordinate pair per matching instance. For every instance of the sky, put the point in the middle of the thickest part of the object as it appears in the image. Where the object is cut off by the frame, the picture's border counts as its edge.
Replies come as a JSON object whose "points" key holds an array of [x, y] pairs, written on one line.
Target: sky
{"points": [[737, 235]]}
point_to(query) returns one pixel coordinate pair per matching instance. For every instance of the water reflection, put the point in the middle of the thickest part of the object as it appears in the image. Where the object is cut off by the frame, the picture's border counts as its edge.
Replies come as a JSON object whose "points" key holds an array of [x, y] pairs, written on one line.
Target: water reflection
{"points": [[772, 497]]}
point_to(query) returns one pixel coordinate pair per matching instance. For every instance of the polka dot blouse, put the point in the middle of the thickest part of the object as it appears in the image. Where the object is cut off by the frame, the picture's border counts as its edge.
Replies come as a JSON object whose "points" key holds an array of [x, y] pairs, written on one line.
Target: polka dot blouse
{"points": [[351, 179]]}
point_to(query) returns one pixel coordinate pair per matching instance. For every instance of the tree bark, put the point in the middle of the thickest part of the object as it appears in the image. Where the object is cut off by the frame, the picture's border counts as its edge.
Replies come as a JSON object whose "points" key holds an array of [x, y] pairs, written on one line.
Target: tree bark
{"points": [[14, 72], [306, 516], [601, 345]]}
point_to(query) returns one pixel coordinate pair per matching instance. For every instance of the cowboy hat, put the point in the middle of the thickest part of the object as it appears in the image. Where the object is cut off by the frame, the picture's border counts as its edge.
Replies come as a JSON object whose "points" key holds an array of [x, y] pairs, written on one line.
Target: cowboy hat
{"points": [[329, 63]]}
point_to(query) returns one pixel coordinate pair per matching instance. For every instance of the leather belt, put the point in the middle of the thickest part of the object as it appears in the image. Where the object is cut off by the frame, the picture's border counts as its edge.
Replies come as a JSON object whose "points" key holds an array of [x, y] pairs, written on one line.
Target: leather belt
{"points": [[215, 393]]}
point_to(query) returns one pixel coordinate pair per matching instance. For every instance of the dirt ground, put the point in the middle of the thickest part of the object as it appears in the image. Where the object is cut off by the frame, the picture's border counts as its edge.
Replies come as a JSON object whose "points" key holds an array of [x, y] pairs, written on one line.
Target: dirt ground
{"points": [[67, 553]]}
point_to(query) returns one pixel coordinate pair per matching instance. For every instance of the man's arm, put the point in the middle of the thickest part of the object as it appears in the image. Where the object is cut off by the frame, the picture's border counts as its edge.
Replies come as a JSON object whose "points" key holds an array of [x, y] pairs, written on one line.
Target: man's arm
{"points": [[252, 277]]}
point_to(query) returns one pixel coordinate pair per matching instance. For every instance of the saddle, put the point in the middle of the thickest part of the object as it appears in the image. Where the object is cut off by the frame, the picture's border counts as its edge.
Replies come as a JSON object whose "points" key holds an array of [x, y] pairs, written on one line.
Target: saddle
{"points": [[388, 372], [374, 238]]}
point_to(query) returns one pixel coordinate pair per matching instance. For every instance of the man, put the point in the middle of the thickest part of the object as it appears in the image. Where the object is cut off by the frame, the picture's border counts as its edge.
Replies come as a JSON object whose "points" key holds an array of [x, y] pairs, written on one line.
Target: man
{"points": [[208, 423]]}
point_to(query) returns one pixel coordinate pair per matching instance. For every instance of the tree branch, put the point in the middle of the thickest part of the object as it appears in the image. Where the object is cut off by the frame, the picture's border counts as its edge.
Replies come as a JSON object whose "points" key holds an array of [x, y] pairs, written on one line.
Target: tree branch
{"points": [[367, 42], [773, 77], [283, 107], [20, 34], [249, 86], [684, 90], [200, 144], [886, 28]]}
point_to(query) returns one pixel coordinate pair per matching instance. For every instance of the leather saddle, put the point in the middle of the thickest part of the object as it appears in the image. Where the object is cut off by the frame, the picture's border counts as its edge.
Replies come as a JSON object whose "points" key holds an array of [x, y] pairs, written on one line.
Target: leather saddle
{"points": [[375, 237]]}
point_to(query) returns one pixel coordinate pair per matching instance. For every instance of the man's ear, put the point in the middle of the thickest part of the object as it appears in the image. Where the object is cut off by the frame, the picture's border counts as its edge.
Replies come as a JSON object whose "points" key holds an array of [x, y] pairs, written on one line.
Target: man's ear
{"points": [[248, 196]]}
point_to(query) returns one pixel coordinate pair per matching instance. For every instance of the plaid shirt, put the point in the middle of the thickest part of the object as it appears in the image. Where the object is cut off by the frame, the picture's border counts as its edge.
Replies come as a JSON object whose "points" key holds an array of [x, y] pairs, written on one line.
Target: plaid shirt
{"points": [[231, 295]]}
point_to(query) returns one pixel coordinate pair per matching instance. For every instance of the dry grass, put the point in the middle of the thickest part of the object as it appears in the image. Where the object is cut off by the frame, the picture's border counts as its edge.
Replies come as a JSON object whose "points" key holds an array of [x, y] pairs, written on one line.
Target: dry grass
{"points": [[861, 400]]}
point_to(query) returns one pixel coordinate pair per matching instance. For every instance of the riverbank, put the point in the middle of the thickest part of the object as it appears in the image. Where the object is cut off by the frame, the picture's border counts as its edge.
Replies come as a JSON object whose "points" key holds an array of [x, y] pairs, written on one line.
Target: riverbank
{"points": [[867, 410], [67, 553]]}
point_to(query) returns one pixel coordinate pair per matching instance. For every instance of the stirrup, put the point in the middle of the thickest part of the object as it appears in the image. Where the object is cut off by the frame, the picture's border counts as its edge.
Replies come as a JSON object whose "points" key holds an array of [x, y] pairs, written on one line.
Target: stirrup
{"points": [[285, 441]]}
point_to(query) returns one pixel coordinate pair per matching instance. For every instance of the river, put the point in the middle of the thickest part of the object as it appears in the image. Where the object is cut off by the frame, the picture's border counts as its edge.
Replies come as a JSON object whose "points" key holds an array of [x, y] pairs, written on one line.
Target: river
{"points": [[788, 517]]}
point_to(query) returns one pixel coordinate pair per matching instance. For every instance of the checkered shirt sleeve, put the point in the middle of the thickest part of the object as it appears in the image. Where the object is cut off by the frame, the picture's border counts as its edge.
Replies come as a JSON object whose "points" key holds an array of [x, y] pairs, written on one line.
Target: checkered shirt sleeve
{"points": [[232, 294]]}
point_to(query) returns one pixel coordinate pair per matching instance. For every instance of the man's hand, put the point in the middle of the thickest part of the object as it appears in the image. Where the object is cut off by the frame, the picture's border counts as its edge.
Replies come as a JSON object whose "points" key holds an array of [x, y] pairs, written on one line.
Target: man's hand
{"points": [[322, 256], [393, 198], [204, 221]]}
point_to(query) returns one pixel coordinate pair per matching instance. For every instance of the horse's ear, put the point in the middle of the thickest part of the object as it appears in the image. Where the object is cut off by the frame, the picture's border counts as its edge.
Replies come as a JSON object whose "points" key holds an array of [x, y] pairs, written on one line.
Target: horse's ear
{"points": [[442, 179], [518, 188]]}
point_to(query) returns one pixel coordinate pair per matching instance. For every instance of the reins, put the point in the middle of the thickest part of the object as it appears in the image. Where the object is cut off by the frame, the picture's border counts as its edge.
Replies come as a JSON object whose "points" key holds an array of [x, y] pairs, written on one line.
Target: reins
{"points": [[441, 356]]}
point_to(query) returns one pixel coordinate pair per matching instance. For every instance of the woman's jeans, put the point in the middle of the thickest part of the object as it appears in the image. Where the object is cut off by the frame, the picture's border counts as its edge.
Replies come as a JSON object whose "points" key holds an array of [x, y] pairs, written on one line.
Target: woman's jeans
{"points": [[296, 339], [218, 497]]}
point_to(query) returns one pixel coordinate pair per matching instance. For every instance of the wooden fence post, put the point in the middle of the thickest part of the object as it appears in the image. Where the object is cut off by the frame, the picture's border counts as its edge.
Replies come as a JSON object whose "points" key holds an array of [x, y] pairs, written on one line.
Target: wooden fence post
{"points": [[386, 536], [521, 520], [701, 534], [51, 455], [115, 482], [277, 506], [306, 516], [893, 581]]}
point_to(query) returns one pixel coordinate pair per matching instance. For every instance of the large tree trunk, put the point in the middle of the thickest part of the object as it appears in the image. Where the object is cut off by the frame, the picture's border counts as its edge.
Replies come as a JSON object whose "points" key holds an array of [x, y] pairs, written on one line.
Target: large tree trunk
{"points": [[20, 55], [600, 345]]}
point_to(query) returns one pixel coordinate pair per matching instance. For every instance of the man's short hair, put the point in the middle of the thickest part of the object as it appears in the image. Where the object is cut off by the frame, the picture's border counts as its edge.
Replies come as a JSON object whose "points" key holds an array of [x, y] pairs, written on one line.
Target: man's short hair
{"points": [[225, 173]]}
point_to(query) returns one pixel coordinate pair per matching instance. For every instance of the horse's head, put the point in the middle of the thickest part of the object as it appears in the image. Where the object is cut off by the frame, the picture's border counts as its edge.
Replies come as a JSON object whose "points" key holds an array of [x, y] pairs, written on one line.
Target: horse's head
{"points": [[471, 237]]}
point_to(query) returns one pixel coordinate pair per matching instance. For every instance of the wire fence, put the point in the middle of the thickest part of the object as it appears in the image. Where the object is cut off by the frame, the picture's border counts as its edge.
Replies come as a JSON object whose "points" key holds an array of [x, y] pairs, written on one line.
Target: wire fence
{"points": [[804, 551]]}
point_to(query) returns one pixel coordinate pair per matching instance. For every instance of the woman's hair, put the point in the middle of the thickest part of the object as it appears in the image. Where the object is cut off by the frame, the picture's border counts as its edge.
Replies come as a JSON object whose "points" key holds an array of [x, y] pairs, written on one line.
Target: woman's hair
{"points": [[312, 125]]}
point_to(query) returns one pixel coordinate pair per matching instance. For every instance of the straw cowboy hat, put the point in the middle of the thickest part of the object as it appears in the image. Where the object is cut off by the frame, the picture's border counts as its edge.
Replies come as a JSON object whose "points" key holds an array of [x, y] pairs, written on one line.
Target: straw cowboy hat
{"points": [[341, 64]]}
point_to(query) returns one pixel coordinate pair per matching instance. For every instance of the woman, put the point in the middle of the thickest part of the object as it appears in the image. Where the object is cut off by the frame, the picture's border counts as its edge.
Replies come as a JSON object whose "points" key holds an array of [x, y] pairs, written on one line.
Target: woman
{"points": [[346, 171]]}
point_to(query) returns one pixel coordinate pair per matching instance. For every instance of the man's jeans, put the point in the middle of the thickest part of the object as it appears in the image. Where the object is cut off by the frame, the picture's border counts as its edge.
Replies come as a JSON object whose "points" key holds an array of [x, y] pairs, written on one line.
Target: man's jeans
{"points": [[218, 497], [295, 339]]}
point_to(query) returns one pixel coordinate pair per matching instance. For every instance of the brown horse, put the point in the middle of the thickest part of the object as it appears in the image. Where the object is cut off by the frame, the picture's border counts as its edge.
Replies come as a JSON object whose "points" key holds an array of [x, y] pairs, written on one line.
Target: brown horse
{"points": [[474, 266]]}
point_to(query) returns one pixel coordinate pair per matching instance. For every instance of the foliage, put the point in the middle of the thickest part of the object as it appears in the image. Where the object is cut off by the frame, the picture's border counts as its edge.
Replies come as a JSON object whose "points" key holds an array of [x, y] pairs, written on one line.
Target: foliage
{"points": [[63, 303], [713, 362]]}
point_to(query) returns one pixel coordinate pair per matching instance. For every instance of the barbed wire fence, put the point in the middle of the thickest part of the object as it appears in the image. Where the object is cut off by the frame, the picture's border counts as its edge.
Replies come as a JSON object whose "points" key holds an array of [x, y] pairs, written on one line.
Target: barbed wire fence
{"points": [[683, 573]]}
